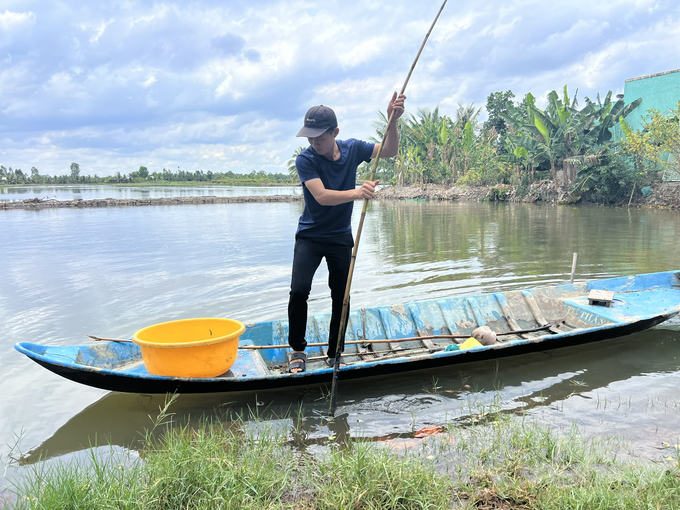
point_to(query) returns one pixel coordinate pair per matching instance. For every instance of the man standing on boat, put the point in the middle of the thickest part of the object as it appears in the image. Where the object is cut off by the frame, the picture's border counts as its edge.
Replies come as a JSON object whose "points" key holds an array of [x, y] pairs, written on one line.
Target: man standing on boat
{"points": [[327, 170]]}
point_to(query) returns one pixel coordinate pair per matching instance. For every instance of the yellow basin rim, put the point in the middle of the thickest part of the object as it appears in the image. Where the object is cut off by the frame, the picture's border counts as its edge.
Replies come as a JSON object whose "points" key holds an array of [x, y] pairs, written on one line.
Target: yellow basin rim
{"points": [[184, 345]]}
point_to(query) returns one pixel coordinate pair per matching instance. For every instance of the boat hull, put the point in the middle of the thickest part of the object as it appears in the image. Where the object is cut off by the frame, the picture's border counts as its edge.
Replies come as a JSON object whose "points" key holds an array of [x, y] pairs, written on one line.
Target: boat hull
{"points": [[644, 301]]}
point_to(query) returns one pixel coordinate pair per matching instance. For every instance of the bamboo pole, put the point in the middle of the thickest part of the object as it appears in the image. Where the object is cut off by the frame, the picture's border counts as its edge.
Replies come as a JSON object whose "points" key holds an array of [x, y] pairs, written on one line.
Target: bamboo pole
{"points": [[102, 339], [389, 340], [631, 194], [356, 342], [345, 304]]}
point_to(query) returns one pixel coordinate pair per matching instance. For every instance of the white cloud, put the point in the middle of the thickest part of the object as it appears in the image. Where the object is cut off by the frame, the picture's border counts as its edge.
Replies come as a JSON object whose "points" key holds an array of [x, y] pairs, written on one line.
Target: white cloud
{"points": [[447, 28], [364, 52], [16, 20], [580, 30], [149, 81], [504, 29], [239, 76]]}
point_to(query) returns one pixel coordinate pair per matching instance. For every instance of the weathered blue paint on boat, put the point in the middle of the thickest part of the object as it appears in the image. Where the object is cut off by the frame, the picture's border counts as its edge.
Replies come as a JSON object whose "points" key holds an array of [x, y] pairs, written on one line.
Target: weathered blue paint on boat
{"points": [[640, 302]]}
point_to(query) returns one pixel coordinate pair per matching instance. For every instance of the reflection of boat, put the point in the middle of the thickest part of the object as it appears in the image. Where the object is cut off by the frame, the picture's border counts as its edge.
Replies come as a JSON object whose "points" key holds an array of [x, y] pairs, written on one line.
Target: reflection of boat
{"points": [[413, 336]]}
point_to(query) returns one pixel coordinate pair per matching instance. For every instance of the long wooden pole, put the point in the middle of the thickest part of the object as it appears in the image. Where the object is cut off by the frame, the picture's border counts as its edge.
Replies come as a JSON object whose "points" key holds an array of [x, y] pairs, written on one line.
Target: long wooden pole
{"points": [[377, 340], [357, 342], [345, 304]]}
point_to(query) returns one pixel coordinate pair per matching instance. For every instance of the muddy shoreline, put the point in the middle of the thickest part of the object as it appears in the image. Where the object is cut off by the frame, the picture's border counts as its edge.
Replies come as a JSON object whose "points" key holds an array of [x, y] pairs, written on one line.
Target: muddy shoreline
{"points": [[663, 196], [37, 203]]}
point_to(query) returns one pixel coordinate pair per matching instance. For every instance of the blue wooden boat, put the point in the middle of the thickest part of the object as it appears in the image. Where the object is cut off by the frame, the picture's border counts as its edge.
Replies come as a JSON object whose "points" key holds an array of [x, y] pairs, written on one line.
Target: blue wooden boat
{"points": [[391, 339]]}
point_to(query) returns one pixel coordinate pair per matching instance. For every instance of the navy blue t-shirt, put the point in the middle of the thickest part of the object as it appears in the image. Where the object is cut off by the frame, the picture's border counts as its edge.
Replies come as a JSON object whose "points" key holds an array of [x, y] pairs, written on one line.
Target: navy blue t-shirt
{"points": [[330, 220]]}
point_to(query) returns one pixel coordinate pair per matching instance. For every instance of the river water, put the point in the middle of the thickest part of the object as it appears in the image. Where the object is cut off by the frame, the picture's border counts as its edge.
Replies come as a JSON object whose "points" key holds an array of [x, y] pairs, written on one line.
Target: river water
{"points": [[68, 273]]}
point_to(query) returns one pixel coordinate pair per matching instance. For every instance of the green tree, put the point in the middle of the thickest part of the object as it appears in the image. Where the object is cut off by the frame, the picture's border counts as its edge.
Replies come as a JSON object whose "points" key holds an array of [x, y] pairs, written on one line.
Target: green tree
{"points": [[143, 172], [495, 109], [664, 131], [19, 176], [75, 172], [607, 178], [638, 147]]}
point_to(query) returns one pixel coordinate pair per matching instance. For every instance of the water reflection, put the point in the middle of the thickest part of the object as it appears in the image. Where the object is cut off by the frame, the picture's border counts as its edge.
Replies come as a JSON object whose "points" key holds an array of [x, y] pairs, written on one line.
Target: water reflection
{"points": [[459, 240], [456, 248]]}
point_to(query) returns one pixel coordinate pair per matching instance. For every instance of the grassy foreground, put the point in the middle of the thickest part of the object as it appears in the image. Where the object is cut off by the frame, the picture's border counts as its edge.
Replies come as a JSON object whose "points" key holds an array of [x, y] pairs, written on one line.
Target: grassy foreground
{"points": [[496, 463]]}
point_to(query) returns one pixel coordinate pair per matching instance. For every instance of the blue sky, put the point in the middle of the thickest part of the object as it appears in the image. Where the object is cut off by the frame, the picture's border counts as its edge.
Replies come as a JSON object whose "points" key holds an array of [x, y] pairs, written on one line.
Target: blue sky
{"points": [[224, 85]]}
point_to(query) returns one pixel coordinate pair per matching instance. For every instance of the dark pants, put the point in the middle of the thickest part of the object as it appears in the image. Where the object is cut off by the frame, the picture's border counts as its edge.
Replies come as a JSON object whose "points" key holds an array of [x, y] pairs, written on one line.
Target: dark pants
{"points": [[306, 260]]}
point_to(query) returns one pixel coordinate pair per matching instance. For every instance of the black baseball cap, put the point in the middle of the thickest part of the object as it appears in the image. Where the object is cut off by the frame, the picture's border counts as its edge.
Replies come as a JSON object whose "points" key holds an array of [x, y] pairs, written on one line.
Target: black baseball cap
{"points": [[318, 120]]}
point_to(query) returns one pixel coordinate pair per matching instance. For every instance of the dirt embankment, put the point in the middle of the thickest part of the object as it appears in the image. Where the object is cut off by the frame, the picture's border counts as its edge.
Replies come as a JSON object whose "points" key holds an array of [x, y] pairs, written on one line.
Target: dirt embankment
{"points": [[662, 195], [541, 191], [37, 203]]}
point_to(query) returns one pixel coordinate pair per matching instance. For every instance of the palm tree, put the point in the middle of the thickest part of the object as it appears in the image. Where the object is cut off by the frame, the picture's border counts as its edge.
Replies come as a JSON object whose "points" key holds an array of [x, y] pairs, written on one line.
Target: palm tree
{"points": [[292, 170], [465, 114], [425, 137], [387, 167]]}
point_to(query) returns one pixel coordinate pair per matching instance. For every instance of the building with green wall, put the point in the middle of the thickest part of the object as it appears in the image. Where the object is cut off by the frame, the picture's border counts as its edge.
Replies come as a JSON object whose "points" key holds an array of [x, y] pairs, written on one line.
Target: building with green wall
{"points": [[660, 91]]}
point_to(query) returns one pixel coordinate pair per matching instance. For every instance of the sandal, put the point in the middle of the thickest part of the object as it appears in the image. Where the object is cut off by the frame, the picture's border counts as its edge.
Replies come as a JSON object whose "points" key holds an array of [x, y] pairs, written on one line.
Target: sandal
{"points": [[330, 362], [297, 361]]}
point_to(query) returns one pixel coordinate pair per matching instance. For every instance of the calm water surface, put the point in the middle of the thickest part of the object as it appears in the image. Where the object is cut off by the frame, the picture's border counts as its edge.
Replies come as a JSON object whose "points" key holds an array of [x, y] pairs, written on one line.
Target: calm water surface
{"points": [[68, 273], [89, 192]]}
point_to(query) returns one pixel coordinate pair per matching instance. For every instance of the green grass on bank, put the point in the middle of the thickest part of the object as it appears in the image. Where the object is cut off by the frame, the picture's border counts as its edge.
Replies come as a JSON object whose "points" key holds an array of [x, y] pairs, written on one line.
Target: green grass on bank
{"points": [[493, 463], [212, 468]]}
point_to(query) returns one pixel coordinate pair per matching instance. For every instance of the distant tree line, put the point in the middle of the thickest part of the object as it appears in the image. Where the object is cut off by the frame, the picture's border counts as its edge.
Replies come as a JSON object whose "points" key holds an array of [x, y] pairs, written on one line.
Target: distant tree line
{"points": [[142, 175]]}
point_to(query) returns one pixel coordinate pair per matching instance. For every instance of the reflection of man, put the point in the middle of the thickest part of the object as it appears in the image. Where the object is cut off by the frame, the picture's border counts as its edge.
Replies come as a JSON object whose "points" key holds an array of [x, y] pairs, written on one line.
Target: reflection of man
{"points": [[327, 170]]}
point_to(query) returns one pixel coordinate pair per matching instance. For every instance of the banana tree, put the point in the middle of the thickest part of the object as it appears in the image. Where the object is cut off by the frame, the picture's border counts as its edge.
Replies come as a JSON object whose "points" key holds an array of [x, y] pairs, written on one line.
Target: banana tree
{"points": [[467, 146], [606, 115], [551, 139], [564, 132], [446, 141]]}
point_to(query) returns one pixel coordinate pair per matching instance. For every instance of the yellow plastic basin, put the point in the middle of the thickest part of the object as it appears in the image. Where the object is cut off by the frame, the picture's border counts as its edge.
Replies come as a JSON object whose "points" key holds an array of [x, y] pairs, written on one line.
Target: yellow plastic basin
{"points": [[190, 347]]}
